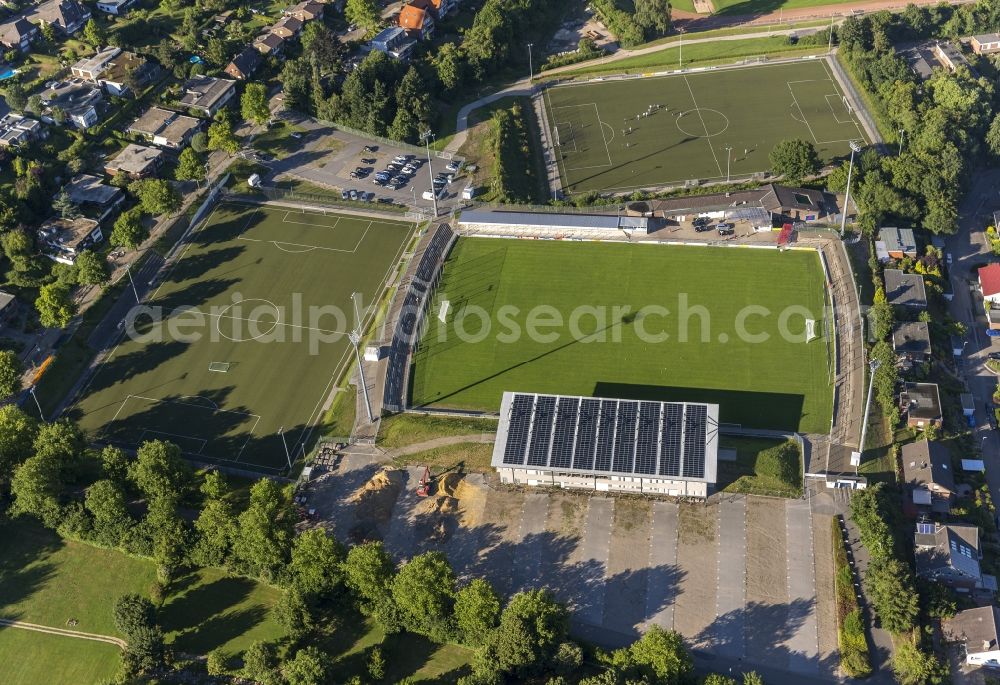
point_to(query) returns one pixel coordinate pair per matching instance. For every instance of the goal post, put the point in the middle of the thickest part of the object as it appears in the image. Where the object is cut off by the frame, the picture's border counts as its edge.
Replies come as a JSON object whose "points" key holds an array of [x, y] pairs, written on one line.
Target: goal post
{"points": [[219, 367]]}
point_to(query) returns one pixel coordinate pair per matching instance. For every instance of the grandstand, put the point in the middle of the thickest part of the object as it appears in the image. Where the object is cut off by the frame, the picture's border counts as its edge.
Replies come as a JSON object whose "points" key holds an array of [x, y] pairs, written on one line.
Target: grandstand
{"points": [[661, 448], [532, 224]]}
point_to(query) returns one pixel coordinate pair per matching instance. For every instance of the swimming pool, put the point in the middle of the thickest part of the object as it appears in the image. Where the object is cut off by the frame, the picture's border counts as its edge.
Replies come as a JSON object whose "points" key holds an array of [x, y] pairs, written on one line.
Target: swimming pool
{"points": [[7, 73]]}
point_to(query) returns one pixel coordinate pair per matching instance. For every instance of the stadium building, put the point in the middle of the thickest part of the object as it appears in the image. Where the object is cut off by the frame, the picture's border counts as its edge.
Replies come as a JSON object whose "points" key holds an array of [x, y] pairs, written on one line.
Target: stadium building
{"points": [[544, 224], [592, 443]]}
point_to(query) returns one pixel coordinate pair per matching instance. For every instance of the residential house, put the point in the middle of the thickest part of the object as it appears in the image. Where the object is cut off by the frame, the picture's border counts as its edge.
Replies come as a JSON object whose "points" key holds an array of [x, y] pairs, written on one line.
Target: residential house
{"points": [[115, 70], [985, 43], [116, 7], [393, 41], [77, 99], [18, 34], [921, 403], [64, 239], [8, 309], [905, 290], [949, 554], [165, 128], [68, 16], [928, 476], [244, 64], [206, 94], [989, 283], [269, 44], [17, 130], [287, 27], [138, 161], [418, 23], [95, 198], [979, 630], [911, 341], [949, 56], [306, 11], [896, 243], [438, 8]]}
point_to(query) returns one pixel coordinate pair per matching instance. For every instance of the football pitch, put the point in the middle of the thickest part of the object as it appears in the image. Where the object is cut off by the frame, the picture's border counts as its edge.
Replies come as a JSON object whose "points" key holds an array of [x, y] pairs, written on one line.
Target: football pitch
{"points": [[600, 312], [246, 335], [666, 130]]}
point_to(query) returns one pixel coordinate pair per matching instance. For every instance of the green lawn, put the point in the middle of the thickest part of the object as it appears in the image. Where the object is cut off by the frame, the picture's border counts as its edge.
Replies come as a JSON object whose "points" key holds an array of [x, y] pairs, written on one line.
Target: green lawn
{"points": [[766, 6], [50, 581], [266, 292], [30, 658], [604, 144], [762, 467], [401, 430], [464, 457], [600, 306]]}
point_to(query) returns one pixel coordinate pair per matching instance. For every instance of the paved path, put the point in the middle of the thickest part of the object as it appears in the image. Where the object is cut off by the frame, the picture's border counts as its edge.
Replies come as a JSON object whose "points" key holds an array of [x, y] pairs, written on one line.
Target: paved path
{"points": [[121, 644]]}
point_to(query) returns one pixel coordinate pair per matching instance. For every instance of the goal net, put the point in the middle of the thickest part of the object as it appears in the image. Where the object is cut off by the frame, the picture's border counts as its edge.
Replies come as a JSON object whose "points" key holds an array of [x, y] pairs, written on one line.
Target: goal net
{"points": [[219, 367], [810, 330], [847, 105]]}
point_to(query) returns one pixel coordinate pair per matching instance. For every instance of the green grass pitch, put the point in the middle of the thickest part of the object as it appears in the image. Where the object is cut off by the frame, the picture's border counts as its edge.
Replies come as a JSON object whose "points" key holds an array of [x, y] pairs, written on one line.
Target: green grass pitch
{"points": [[701, 114], [779, 383], [271, 293]]}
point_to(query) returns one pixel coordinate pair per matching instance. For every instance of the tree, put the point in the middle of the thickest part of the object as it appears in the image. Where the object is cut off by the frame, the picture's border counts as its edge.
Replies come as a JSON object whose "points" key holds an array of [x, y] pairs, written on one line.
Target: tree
{"points": [[424, 591], [216, 660], [718, 679], [91, 269], [128, 230], [199, 142], [190, 166], [106, 503], [156, 196], [133, 612], [449, 65], [36, 487], [55, 305], [531, 628], [752, 678], [794, 159], [661, 654], [17, 433], [895, 599], [368, 570], [477, 610], [309, 667], [263, 536], [114, 464], [258, 663], [16, 95], [253, 103], [94, 34], [993, 137], [653, 17], [221, 137], [217, 51], [167, 536], [213, 485], [64, 205], [316, 563], [364, 13], [11, 370], [914, 667], [293, 614], [159, 471], [376, 663], [216, 530]]}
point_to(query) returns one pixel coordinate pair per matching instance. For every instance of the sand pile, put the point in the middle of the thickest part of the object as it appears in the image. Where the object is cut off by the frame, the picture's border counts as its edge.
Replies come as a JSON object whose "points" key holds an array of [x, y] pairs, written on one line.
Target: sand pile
{"points": [[376, 498]]}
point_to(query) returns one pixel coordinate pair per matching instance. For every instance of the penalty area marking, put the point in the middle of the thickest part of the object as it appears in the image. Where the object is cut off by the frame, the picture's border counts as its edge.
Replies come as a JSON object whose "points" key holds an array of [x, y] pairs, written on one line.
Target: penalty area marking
{"points": [[150, 431], [309, 248]]}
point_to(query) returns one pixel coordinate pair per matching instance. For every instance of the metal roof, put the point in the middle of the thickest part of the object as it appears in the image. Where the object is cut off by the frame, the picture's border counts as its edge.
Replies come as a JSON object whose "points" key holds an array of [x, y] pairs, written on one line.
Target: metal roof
{"points": [[594, 221], [608, 437]]}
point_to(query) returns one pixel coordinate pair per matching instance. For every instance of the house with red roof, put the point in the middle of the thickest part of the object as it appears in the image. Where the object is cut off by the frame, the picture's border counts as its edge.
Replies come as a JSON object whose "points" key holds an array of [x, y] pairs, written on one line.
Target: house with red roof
{"points": [[438, 8], [989, 283], [417, 22]]}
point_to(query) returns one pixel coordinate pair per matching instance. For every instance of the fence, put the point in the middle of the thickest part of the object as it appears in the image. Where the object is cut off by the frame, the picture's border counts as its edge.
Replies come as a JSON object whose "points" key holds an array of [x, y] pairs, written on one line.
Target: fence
{"points": [[322, 201]]}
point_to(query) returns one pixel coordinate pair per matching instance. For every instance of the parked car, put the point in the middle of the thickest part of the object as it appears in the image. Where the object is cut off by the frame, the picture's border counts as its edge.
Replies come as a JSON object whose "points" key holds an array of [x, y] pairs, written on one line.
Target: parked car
{"points": [[947, 258], [345, 195], [726, 228], [454, 166], [408, 170], [371, 148], [368, 196], [995, 356]]}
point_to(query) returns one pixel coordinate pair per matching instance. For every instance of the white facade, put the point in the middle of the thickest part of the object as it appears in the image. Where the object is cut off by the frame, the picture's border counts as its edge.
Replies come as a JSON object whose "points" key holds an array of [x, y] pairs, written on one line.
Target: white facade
{"points": [[603, 483]]}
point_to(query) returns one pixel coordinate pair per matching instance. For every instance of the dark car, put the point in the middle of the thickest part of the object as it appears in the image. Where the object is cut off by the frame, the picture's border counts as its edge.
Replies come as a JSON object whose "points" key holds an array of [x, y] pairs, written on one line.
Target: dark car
{"points": [[368, 160], [726, 228], [700, 221], [385, 200], [371, 148], [380, 181], [995, 355]]}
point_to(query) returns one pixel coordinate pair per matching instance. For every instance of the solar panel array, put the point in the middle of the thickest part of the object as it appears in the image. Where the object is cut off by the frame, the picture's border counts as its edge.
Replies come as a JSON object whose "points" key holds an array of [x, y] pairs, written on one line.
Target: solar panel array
{"points": [[666, 439]]}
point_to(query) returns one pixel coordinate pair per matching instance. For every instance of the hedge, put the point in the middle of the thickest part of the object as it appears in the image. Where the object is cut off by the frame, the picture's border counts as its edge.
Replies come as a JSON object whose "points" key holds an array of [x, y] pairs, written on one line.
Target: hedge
{"points": [[855, 658]]}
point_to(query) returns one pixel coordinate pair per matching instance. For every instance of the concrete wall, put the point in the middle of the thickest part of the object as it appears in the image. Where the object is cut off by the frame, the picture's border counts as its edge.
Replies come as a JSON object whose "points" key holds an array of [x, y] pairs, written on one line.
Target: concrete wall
{"points": [[603, 483]]}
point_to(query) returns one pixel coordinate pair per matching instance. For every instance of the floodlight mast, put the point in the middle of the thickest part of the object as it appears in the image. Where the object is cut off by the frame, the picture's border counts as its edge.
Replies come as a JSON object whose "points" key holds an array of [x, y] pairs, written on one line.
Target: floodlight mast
{"points": [[873, 367], [426, 137], [355, 338], [855, 147]]}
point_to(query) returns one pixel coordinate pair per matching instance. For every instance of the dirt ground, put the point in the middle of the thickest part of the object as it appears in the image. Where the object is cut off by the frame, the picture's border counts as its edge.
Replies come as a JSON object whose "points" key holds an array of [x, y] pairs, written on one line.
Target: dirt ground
{"points": [[697, 566], [767, 582], [826, 613]]}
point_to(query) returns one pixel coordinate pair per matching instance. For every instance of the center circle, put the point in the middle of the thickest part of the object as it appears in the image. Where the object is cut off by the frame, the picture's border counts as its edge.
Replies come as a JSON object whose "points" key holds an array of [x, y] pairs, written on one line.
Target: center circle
{"points": [[248, 313], [702, 122]]}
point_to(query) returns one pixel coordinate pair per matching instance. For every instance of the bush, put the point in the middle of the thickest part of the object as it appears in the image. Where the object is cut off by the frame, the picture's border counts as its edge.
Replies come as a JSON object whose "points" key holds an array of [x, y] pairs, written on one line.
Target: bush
{"points": [[620, 22], [854, 656]]}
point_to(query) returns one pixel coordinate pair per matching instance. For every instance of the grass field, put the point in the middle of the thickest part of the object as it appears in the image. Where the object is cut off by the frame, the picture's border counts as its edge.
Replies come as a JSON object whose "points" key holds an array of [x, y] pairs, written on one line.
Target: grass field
{"points": [[30, 658], [604, 143], [254, 321], [49, 581], [779, 383]]}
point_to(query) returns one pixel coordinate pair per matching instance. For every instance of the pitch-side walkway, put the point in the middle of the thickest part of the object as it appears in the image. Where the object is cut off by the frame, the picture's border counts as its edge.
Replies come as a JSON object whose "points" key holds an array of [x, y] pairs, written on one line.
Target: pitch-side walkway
{"points": [[121, 644]]}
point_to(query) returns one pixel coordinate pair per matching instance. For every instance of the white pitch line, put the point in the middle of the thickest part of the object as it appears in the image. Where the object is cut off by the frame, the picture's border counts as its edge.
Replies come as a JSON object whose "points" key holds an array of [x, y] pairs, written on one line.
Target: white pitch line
{"points": [[708, 137], [805, 120]]}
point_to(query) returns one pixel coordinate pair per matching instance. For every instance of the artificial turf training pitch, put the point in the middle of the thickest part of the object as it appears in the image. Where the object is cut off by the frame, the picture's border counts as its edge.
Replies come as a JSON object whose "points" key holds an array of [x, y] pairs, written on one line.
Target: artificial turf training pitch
{"points": [[271, 291], [778, 383], [604, 140]]}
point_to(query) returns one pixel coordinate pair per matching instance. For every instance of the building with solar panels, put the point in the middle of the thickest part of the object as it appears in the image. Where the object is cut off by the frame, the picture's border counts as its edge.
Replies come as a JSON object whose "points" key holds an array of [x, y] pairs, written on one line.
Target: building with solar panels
{"points": [[658, 448]]}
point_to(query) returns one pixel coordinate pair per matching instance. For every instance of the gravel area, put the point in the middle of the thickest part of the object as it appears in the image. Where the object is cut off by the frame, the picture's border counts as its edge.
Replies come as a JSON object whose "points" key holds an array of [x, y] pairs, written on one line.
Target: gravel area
{"points": [[826, 612], [625, 594], [766, 571], [697, 559], [502, 522]]}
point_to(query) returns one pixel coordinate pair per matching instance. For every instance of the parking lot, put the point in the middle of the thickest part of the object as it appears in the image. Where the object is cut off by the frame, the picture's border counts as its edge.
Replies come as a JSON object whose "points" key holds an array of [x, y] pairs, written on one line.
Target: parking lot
{"points": [[738, 576], [330, 158]]}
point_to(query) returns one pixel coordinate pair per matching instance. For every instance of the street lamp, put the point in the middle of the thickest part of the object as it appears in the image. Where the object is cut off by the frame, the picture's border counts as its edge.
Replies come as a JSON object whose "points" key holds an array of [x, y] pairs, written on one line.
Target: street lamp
{"points": [[426, 137], [355, 337], [135, 292], [531, 74], [680, 50], [855, 147], [873, 367]]}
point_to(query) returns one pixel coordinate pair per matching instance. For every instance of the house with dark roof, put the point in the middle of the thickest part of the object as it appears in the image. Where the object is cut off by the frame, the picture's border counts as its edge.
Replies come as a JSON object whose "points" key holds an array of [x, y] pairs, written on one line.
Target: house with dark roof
{"points": [[979, 631], [921, 404], [785, 203], [164, 127], [18, 34], [8, 309], [905, 290], [244, 64], [948, 554], [116, 8], [206, 94], [95, 198], [138, 161], [68, 16], [911, 341], [17, 130], [77, 99], [394, 42], [269, 44], [928, 476], [418, 23], [287, 27], [306, 11], [895, 243]]}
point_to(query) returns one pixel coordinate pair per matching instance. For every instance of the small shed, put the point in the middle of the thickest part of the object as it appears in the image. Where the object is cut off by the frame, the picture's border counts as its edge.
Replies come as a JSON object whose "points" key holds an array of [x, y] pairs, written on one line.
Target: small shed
{"points": [[968, 404]]}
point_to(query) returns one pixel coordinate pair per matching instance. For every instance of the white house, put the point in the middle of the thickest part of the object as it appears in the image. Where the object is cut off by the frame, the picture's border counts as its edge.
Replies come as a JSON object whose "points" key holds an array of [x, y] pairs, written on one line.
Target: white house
{"points": [[977, 630]]}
